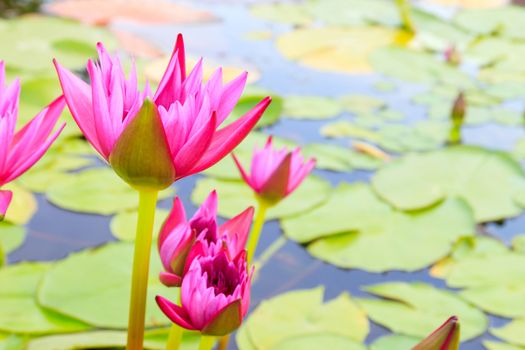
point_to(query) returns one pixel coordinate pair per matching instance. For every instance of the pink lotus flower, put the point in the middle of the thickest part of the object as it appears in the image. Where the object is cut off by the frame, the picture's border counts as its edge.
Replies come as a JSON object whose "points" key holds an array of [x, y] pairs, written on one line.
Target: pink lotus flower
{"points": [[178, 236], [215, 294], [275, 173], [20, 150], [179, 135], [446, 337]]}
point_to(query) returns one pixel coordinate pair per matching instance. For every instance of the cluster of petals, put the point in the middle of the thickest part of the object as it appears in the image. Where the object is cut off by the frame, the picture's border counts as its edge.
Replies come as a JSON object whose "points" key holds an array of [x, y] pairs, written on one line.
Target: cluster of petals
{"points": [[208, 262], [179, 235], [190, 111], [275, 173], [19, 150]]}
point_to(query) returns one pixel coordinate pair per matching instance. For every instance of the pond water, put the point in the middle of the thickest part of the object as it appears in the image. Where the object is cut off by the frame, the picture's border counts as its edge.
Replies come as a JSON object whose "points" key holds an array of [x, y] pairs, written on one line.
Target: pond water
{"points": [[53, 233]]}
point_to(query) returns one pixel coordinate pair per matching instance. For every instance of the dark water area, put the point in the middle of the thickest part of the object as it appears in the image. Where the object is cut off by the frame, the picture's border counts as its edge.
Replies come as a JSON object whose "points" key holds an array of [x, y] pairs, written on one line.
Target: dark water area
{"points": [[55, 233]]}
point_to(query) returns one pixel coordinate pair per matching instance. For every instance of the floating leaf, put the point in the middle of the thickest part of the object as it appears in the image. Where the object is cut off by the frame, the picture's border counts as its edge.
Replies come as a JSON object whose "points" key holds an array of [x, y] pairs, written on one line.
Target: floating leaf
{"points": [[11, 236], [417, 309], [278, 323], [513, 332], [492, 345], [96, 191], [311, 107], [336, 158], [361, 103], [394, 341], [420, 180], [236, 196], [362, 240], [287, 13], [507, 21], [23, 205], [20, 311], [247, 102], [336, 48], [123, 225], [100, 278]]}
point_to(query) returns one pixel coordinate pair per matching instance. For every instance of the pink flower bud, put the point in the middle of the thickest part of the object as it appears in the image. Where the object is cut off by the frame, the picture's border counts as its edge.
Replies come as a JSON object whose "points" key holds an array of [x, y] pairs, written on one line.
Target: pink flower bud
{"points": [[275, 173], [445, 337]]}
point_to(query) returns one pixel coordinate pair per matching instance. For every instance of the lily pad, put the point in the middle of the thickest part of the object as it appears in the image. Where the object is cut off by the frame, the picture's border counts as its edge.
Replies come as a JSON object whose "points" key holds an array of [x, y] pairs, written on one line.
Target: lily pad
{"points": [[417, 309], [123, 224], [22, 207], [20, 311], [505, 21], [102, 278], [247, 102], [235, 196], [340, 49], [492, 345], [287, 13], [311, 107], [96, 191], [361, 241], [513, 332], [394, 341], [278, 323], [336, 158], [11, 236], [418, 181]]}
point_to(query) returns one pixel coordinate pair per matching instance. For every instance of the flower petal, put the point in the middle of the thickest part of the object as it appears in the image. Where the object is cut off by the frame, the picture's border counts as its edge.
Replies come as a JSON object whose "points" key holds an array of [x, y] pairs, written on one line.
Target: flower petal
{"points": [[226, 139], [225, 321], [237, 229], [5, 199], [174, 312], [176, 217], [170, 279]]}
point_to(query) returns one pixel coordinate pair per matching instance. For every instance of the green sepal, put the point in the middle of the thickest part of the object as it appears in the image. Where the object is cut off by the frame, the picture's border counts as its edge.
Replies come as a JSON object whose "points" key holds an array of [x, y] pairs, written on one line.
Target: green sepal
{"points": [[226, 321], [141, 156]]}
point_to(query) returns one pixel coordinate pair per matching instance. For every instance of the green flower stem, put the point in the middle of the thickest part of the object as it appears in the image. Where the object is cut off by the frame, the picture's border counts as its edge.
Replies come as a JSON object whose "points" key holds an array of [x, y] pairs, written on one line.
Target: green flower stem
{"points": [[404, 12], [223, 342], [175, 336], [3, 257], [139, 283], [253, 240], [206, 342]]}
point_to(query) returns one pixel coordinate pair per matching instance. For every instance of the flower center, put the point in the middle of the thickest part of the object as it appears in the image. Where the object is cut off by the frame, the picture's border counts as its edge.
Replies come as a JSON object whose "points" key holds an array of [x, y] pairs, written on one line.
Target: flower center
{"points": [[223, 275]]}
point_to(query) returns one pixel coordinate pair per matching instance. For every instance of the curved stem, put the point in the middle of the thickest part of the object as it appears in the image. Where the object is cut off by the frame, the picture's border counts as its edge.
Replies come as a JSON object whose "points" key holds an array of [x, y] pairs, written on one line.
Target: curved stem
{"points": [[3, 256], [175, 336], [253, 240], [404, 12], [139, 282], [206, 342]]}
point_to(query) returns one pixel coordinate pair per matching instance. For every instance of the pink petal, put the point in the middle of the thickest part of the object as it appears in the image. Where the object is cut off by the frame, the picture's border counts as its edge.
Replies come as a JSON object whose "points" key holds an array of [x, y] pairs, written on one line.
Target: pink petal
{"points": [[239, 226], [175, 313], [226, 139], [176, 217], [230, 96], [298, 177], [78, 98], [5, 199], [244, 175], [170, 279], [196, 146], [170, 84], [276, 185]]}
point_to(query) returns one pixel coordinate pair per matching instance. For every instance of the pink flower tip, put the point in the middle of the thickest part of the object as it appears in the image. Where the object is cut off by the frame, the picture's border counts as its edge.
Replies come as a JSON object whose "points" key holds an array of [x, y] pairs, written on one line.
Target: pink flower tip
{"points": [[446, 337]]}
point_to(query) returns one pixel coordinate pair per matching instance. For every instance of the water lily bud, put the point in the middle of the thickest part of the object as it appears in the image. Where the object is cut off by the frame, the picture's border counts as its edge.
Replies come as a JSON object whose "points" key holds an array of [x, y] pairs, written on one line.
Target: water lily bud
{"points": [[452, 55], [445, 337], [459, 109], [141, 155]]}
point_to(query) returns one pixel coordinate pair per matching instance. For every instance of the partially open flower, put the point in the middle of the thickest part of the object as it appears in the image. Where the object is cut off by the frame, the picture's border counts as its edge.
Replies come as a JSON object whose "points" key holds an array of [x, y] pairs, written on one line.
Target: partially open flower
{"points": [[446, 337], [275, 173], [215, 294], [178, 236], [151, 141], [21, 149]]}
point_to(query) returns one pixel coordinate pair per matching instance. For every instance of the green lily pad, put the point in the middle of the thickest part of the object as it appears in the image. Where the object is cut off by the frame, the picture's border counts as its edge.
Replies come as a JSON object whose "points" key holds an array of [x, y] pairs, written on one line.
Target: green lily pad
{"points": [[394, 342], [513, 332], [492, 345], [70, 42], [278, 323], [417, 309], [22, 207], [100, 278], [247, 102], [359, 104], [105, 339], [20, 311], [13, 342], [96, 191], [235, 196], [123, 225], [311, 107], [507, 21], [11, 236], [336, 158], [416, 67], [287, 13], [361, 241], [421, 180]]}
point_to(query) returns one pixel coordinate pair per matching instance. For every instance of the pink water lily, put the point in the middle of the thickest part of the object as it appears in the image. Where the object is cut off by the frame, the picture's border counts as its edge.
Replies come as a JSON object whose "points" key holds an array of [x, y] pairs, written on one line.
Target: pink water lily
{"points": [[215, 294], [446, 337], [188, 113], [20, 150], [275, 173], [179, 235]]}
